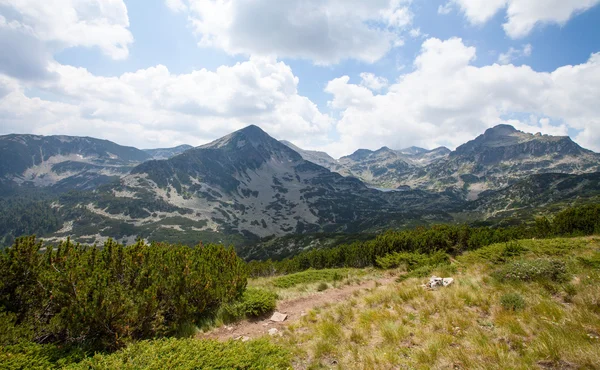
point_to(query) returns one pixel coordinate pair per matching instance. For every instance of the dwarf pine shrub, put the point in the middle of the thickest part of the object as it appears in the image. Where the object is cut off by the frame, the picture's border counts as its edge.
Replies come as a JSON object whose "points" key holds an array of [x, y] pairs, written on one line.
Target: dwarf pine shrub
{"points": [[533, 270]]}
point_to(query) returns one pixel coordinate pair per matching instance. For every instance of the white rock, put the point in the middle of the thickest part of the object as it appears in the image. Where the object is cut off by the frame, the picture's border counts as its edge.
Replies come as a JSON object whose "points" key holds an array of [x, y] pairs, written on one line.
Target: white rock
{"points": [[273, 331], [278, 317], [245, 339], [436, 282]]}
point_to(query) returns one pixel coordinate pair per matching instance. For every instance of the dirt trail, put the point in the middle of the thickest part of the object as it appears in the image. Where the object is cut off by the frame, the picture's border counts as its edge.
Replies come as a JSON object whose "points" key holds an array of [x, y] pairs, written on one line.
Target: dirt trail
{"points": [[294, 308]]}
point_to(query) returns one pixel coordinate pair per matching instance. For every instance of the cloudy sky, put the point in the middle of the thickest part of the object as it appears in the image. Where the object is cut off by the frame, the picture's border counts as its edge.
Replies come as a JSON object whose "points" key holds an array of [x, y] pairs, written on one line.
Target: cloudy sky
{"points": [[334, 75]]}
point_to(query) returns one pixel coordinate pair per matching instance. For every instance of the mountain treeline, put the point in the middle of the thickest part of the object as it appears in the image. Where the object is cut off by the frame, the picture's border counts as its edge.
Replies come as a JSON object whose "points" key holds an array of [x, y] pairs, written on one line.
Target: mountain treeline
{"points": [[451, 239], [103, 297], [27, 215]]}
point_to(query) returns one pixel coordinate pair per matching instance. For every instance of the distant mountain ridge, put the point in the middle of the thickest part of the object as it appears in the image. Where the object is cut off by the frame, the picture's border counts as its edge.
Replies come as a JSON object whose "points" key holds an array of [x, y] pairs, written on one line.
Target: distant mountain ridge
{"points": [[379, 168], [501, 156], [64, 161], [166, 153], [247, 185]]}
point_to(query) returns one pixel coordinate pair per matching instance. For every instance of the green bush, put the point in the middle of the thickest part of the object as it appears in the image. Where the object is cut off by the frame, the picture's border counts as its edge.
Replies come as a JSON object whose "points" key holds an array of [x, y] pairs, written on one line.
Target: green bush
{"points": [[308, 277], [183, 354], [253, 303], [258, 302], [512, 302], [411, 260], [533, 270], [322, 287], [513, 249], [103, 297]]}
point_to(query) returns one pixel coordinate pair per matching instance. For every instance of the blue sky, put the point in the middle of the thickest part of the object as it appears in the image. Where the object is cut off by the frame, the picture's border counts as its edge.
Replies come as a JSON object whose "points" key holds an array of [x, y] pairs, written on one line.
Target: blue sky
{"points": [[165, 72]]}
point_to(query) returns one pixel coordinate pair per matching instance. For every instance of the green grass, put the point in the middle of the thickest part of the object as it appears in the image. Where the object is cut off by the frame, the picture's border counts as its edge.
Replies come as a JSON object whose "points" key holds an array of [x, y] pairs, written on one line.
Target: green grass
{"points": [[192, 354], [310, 276]]}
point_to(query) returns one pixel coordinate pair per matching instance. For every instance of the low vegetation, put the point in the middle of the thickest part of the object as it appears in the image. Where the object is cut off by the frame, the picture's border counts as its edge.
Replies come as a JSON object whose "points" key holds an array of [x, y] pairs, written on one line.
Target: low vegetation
{"points": [[481, 319], [516, 302], [192, 354], [102, 298], [450, 239], [253, 304]]}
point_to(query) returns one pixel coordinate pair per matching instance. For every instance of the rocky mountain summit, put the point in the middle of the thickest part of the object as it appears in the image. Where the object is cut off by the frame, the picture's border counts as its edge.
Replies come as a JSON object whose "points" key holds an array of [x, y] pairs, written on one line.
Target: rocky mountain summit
{"points": [[500, 157]]}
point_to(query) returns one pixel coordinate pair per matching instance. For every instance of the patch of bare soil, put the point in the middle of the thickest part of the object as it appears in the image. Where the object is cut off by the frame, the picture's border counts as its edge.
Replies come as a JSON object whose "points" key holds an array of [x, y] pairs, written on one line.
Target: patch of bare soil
{"points": [[294, 309]]}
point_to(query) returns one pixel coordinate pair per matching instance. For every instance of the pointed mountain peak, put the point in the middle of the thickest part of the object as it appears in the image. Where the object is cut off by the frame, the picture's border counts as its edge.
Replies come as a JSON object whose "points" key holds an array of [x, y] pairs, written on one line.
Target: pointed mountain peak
{"points": [[250, 135]]}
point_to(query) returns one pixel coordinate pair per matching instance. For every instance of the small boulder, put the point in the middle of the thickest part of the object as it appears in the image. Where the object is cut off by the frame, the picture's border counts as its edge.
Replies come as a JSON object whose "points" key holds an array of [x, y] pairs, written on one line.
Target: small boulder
{"points": [[273, 331], [436, 282], [447, 281], [278, 317]]}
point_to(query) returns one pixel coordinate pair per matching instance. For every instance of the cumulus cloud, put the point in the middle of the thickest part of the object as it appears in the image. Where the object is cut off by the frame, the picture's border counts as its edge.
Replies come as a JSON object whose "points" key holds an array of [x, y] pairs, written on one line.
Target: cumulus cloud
{"points": [[375, 83], [522, 15], [513, 54], [153, 107], [24, 56], [69, 23], [446, 100], [32, 31], [324, 31]]}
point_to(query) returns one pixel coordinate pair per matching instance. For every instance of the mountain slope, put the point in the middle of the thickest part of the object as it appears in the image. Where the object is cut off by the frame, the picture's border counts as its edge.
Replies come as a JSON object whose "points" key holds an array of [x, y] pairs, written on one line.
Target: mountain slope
{"points": [[166, 153], [503, 156], [247, 183], [537, 193], [320, 158], [64, 162]]}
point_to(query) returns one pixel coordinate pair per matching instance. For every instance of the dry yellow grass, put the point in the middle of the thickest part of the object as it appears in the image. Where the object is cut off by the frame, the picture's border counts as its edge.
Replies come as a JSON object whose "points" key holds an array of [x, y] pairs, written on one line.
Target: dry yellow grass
{"points": [[463, 326]]}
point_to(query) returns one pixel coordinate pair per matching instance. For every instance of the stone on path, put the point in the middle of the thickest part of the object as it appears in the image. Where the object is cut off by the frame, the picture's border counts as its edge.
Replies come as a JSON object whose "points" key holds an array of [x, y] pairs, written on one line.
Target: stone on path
{"points": [[273, 331], [278, 317]]}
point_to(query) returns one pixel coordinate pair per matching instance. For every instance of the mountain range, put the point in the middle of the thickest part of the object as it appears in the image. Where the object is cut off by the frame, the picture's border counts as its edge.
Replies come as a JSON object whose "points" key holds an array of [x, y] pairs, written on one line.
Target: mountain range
{"points": [[247, 185]]}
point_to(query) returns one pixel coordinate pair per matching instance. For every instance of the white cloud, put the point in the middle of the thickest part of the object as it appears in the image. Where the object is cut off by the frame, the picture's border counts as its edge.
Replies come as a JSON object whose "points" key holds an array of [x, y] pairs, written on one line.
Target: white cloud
{"points": [[513, 54], [415, 32], [447, 101], [375, 83], [522, 15], [32, 31], [153, 107], [445, 9], [176, 5], [69, 23], [324, 31]]}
